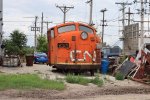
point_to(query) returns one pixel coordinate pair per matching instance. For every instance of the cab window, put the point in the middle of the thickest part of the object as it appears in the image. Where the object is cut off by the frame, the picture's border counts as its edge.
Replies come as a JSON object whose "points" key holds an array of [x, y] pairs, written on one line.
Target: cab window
{"points": [[52, 33], [66, 28], [86, 29]]}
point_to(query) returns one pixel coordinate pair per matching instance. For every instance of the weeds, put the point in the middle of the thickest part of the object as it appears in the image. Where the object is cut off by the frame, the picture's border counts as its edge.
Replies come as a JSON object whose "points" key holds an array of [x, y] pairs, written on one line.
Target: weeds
{"points": [[97, 81], [119, 76], [83, 81], [77, 79]]}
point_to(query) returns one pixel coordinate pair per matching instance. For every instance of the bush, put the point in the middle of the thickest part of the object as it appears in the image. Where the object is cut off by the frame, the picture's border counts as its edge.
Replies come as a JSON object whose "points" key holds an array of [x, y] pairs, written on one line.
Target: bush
{"points": [[119, 76]]}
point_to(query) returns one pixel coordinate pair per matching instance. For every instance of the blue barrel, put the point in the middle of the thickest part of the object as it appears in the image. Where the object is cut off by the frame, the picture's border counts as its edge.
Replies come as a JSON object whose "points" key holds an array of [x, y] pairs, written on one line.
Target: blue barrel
{"points": [[104, 66]]}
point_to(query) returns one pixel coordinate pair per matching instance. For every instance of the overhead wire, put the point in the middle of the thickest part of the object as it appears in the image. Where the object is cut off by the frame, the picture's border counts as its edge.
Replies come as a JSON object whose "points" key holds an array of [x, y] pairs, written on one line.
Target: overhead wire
{"points": [[118, 41], [112, 35]]}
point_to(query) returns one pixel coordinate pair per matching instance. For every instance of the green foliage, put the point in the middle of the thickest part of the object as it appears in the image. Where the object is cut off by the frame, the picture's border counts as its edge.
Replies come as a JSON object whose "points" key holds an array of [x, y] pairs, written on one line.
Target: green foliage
{"points": [[10, 47], [28, 81], [18, 38], [83, 81], [15, 44], [28, 50], [42, 43], [97, 81], [119, 76]]}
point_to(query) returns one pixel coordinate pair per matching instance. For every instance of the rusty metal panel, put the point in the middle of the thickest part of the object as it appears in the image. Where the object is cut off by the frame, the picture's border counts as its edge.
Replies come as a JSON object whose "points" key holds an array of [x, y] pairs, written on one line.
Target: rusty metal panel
{"points": [[126, 67], [147, 69]]}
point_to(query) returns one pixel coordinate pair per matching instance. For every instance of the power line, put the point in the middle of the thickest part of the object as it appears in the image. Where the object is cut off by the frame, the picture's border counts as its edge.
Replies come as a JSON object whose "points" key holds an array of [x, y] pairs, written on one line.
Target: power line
{"points": [[111, 35], [114, 20], [17, 21], [115, 43]]}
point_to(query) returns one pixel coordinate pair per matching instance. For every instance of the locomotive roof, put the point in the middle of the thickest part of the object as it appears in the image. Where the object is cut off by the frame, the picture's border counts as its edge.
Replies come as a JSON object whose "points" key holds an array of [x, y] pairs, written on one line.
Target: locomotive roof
{"points": [[69, 23]]}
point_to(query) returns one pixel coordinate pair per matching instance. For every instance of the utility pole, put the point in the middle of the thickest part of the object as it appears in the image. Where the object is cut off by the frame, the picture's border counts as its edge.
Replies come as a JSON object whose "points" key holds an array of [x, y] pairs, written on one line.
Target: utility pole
{"points": [[42, 19], [47, 23], [148, 18], [123, 4], [142, 23], [35, 29], [1, 31], [142, 14], [64, 9], [35, 32], [103, 23], [129, 16], [91, 11]]}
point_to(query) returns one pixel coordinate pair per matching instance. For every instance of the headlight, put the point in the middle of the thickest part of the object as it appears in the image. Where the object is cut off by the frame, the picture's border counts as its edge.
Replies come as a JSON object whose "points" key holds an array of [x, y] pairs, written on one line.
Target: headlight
{"points": [[84, 35]]}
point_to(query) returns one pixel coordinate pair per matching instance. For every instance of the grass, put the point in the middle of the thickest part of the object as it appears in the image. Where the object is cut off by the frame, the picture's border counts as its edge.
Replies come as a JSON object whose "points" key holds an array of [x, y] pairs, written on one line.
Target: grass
{"points": [[97, 81], [119, 76], [83, 81], [28, 81]]}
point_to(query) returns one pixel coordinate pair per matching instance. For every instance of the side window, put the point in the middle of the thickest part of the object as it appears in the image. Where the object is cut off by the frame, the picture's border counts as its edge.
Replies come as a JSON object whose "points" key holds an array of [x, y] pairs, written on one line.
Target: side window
{"points": [[52, 33], [86, 29], [66, 28]]}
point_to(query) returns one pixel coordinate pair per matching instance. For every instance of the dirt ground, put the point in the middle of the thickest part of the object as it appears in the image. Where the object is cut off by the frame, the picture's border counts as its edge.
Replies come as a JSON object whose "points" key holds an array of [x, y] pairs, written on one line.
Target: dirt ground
{"points": [[112, 89]]}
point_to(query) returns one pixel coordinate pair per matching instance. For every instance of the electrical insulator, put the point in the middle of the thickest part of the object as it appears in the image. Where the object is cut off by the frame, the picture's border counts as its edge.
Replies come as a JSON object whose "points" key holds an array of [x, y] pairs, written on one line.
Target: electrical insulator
{"points": [[135, 1]]}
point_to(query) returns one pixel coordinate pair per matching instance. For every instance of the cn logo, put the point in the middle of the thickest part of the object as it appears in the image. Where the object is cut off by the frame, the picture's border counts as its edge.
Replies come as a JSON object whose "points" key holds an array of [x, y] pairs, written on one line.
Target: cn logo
{"points": [[85, 54]]}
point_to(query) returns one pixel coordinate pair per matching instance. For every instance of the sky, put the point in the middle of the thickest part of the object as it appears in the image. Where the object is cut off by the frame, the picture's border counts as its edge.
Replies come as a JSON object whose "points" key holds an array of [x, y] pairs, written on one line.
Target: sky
{"points": [[19, 14]]}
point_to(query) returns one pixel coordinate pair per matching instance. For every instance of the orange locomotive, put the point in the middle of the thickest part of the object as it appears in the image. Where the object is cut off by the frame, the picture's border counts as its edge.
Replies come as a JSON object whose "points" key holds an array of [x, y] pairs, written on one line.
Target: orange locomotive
{"points": [[73, 46]]}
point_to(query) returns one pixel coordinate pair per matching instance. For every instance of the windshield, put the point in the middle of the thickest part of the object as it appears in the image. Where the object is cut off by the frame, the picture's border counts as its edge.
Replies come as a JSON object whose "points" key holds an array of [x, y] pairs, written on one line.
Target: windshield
{"points": [[85, 29], [66, 28]]}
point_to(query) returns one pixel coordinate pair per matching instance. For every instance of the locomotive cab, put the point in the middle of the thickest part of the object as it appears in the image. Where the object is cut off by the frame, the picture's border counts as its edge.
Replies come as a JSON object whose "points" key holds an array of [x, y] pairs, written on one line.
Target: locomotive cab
{"points": [[73, 46]]}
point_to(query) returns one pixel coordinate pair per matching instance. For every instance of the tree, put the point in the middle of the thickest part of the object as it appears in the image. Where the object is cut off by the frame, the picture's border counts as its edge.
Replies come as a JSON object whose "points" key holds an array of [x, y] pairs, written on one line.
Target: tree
{"points": [[42, 43], [16, 43], [18, 38], [28, 50]]}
